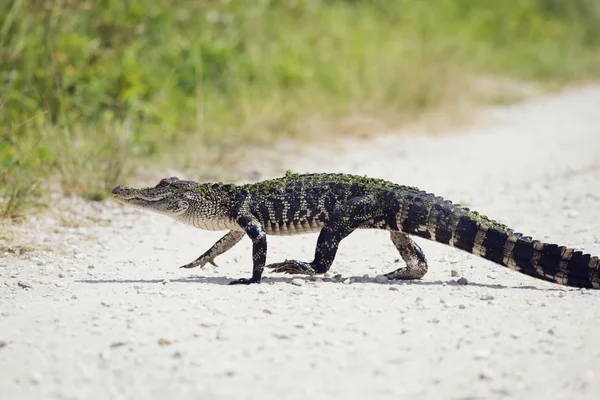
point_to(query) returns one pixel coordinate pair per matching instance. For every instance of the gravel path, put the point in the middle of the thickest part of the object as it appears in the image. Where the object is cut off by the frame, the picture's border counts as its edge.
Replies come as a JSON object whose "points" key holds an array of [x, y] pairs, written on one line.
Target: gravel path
{"points": [[107, 314]]}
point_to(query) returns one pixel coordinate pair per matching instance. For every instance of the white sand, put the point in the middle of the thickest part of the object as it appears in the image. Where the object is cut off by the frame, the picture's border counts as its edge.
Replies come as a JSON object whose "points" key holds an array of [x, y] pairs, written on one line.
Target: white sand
{"points": [[90, 325]]}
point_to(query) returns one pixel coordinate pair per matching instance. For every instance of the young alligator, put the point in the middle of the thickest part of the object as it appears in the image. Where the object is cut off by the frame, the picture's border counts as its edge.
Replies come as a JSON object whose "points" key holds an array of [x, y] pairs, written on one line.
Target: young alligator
{"points": [[336, 205]]}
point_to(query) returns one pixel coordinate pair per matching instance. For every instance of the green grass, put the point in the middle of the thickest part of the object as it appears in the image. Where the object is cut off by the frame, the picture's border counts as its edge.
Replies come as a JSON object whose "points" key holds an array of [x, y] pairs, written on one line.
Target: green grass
{"points": [[92, 89]]}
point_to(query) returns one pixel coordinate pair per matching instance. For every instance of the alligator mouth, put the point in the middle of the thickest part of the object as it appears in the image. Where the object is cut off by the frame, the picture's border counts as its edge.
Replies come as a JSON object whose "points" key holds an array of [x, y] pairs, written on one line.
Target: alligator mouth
{"points": [[126, 194]]}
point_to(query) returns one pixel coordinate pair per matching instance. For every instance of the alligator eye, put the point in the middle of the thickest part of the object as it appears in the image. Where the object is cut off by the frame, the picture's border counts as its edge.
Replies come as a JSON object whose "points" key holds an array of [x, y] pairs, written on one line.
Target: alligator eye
{"points": [[167, 181]]}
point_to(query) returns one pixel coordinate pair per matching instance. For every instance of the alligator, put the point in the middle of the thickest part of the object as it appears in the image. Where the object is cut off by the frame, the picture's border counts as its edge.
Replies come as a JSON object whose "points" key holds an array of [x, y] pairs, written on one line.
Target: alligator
{"points": [[335, 205]]}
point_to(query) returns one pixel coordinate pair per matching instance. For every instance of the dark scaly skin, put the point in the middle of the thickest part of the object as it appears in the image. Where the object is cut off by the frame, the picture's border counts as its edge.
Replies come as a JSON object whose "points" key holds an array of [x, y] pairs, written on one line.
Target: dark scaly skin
{"points": [[337, 204]]}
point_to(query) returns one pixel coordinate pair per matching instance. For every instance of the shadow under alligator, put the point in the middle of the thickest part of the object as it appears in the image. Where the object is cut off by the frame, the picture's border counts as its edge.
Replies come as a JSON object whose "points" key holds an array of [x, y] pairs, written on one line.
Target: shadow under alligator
{"points": [[222, 280]]}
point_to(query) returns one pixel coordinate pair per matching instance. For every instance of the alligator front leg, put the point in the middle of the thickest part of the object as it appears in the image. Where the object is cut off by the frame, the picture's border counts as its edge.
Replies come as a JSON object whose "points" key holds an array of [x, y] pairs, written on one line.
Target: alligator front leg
{"points": [[220, 247], [255, 231]]}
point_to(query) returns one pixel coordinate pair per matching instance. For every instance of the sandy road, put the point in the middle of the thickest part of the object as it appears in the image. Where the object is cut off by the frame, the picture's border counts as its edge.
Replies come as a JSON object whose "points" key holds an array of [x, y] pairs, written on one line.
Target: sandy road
{"points": [[109, 315]]}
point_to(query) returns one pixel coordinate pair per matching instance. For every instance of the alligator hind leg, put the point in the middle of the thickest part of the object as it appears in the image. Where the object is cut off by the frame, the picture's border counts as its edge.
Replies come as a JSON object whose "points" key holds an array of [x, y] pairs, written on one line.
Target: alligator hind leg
{"points": [[411, 253]]}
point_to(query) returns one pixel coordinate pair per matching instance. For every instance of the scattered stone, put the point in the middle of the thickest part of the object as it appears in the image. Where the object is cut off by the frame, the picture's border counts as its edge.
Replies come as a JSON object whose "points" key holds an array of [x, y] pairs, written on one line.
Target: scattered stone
{"points": [[61, 275], [36, 378], [282, 336], [267, 311], [442, 301], [3, 343], [347, 281], [24, 285], [337, 276], [114, 345], [482, 354], [297, 281], [486, 374], [165, 281], [435, 321], [462, 306], [164, 342], [393, 288], [91, 266], [454, 273], [418, 299], [487, 297], [462, 281], [381, 279], [550, 331]]}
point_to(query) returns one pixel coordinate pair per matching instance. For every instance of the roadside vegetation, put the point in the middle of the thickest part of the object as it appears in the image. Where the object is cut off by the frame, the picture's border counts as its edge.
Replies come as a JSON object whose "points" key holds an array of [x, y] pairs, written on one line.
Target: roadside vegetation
{"points": [[92, 89]]}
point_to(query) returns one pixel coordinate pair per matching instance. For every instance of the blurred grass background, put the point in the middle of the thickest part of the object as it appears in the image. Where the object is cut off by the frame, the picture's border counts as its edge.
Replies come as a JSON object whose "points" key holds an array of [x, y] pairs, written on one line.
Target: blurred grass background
{"points": [[92, 89]]}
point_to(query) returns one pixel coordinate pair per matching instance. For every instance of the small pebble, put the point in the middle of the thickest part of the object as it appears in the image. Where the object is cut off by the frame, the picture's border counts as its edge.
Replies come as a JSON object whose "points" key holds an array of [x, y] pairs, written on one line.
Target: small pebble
{"points": [[164, 342], [463, 281], [486, 374], [381, 279], [36, 378], [283, 336], [393, 288], [462, 306], [487, 297], [482, 354], [572, 213], [61, 275], [3, 343], [347, 281], [165, 281], [337, 276], [24, 285], [454, 273], [297, 281]]}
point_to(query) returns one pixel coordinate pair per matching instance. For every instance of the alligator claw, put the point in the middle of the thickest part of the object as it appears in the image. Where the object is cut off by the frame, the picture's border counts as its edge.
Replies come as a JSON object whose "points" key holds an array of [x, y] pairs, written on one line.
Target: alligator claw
{"points": [[244, 281], [292, 267]]}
